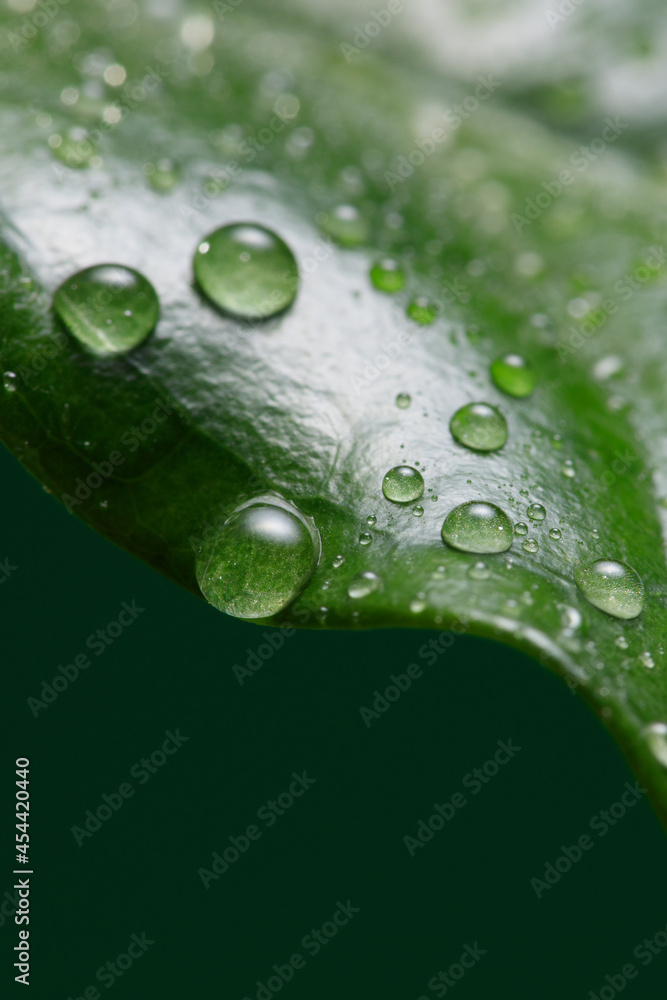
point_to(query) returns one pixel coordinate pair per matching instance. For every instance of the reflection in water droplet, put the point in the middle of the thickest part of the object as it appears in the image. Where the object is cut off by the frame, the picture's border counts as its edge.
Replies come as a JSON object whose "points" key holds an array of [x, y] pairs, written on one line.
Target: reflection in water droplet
{"points": [[520, 528], [422, 311], [403, 400], [403, 484], [646, 659], [371, 519], [418, 511], [247, 270], [388, 276], [480, 571], [611, 586], [365, 538], [479, 427], [9, 381], [655, 735], [338, 561], [567, 469], [478, 527], [536, 512], [364, 584], [555, 533], [621, 642], [530, 545], [513, 375], [109, 308], [260, 560]]}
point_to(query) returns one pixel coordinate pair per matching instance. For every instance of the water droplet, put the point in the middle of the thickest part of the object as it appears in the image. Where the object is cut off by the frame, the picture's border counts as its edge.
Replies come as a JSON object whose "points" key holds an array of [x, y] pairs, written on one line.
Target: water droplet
{"points": [[520, 528], [570, 618], [93, 304], [611, 586], [655, 735], [403, 484], [338, 562], [371, 519], [567, 469], [646, 659], [422, 311], [418, 604], [530, 545], [260, 560], [555, 533], [478, 527], [479, 427], [403, 400], [524, 493], [247, 271], [365, 538], [9, 381], [364, 584], [536, 512], [418, 511], [513, 375], [346, 225], [480, 571], [162, 176], [434, 497], [621, 642], [387, 275]]}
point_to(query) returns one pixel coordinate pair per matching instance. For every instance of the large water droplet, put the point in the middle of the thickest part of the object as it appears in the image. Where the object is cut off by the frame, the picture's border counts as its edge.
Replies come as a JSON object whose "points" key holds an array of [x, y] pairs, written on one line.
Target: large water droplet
{"points": [[655, 735], [478, 527], [611, 586], [109, 308], [403, 484], [388, 276], [247, 270], [479, 426], [513, 375], [536, 512], [364, 584], [260, 560]]}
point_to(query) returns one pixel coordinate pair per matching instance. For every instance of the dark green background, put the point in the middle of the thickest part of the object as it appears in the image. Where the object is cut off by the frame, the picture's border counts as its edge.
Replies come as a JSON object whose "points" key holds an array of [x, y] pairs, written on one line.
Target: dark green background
{"points": [[344, 839]]}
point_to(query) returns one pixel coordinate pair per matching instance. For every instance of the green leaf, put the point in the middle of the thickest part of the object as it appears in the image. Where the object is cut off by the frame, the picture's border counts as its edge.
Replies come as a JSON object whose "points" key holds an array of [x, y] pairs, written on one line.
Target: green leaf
{"points": [[524, 243]]}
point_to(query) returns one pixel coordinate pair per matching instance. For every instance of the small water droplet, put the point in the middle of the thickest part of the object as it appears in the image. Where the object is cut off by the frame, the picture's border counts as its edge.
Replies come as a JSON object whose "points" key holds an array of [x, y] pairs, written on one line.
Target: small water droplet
{"points": [[570, 618], [520, 528], [418, 604], [371, 519], [524, 493], [530, 545], [621, 642], [403, 484], [478, 527], [434, 497], [611, 586], [418, 511], [9, 381], [162, 176], [346, 225], [479, 427], [260, 560], [567, 469], [247, 271], [513, 375], [422, 311], [555, 533], [479, 571], [338, 562], [655, 735], [364, 584], [646, 659], [403, 400], [388, 276], [365, 538], [536, 512], [94, 304]]}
